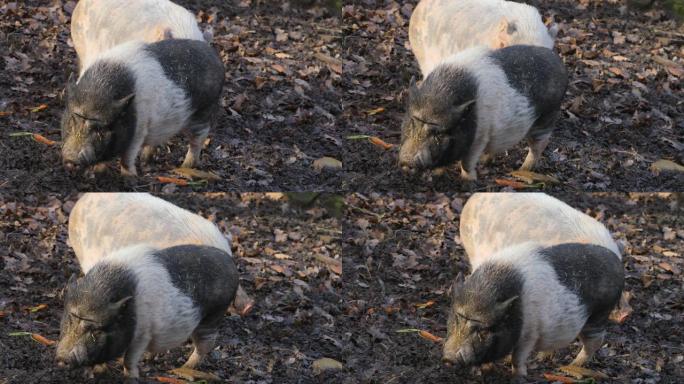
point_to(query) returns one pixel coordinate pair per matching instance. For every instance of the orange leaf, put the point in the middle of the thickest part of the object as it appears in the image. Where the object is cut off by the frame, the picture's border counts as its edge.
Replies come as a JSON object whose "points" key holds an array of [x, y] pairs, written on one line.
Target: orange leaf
{"points": [[429, 336], [2, 314], [390, 309], [172, 180], [42, 139], [5, 113], [376, 111], [42, 339], [425, 305], [562, 379], [171, 380], [39, 108], [510, 183], [38, 307], [380, 143]]}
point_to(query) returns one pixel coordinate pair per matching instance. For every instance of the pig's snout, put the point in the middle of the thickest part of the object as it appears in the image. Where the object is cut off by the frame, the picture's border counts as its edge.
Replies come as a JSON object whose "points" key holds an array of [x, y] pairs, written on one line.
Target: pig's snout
{"points": [[70, 358], [453, 359], [75, 158]]}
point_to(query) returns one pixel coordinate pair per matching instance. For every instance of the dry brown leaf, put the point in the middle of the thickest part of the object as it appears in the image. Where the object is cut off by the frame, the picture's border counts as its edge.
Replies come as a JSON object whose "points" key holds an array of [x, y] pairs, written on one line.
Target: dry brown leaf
{"points": [[581, 372], [324, 364], [531, 177], [196, 174], [376, 111], [39, 108], [332, 264], [193, 375], [666, 165], [326, 163], [170, 380], [561, 379]]}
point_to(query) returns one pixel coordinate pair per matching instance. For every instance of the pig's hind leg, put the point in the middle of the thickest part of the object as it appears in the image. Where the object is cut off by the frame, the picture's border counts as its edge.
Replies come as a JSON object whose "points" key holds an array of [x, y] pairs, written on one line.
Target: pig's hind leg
{"points": [[591, 339], [198, 133], [538, 139], [203, 339]]}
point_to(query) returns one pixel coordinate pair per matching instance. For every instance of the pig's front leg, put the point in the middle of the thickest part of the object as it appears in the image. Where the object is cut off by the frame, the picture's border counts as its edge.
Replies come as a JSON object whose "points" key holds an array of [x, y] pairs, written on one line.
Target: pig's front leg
{"points": [[197, 136], [469, 162], [129, 156], [520, 355], [132, 357]]}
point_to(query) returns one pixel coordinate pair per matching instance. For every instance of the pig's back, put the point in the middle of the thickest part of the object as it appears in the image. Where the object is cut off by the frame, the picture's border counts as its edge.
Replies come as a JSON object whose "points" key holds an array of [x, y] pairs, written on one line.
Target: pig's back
{"points": [[98, 26], [441, 28], [101, 223], [493, 221]]}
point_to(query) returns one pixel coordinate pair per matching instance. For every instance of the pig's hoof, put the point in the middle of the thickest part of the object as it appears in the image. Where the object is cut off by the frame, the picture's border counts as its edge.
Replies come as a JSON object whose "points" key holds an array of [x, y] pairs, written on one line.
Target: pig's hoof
{"points": [[519, 380], [188, 163], [128, 173]]}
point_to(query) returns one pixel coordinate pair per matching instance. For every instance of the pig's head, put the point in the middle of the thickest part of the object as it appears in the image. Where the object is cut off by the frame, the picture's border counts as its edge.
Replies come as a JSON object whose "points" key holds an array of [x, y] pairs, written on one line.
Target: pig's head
{"points": [[485, 317], [99, 119], [99, 317], [440, 122]]}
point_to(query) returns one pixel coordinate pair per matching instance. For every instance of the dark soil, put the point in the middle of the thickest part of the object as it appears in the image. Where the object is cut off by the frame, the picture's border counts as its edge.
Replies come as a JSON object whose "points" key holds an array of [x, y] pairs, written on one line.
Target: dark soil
{"points": [[403, 250], [278, 110], [293, 322], [622, 111]]}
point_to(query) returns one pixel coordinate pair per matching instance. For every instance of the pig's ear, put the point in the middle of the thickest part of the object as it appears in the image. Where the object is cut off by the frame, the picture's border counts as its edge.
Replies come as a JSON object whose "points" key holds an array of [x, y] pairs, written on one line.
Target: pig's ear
{"points": [[457, 285], [118, 306], [503, 306], [121, 104], [71, 86], [463, 108], [413, 89], [505, 29]]}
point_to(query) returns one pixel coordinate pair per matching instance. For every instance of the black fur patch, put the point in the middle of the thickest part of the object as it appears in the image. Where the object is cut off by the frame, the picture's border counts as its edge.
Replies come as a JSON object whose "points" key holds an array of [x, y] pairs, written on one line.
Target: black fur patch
{"points": [[538, 74], [592, 272], [195, 67], [206, 274], [109, 130], [444, 89], [490, 284], [90, 298]]}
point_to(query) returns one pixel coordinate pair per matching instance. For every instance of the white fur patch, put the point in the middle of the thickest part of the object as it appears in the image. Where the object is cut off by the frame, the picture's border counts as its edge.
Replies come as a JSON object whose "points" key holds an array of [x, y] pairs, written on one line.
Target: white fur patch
{"points": [[504, 116], [102, 223], [552, 315], [162, 107], [164, 315], [98, 26], [491, 222]]}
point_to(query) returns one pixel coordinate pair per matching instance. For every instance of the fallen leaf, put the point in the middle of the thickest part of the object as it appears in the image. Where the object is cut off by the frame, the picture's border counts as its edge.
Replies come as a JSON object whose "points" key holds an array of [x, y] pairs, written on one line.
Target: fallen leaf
{"points": [[326, 163], [426, 304], [39, 108], [36, 136], [334, 265], [531, 177], [581, 372], [42, 339], [196, 174], [376, 111], [429, 336], [170, 380], [324, 364], [666, 165], [38, 307], [5, 113], [511, 183], [192, 375], [561, 379], [181, 182], [380, 143]]}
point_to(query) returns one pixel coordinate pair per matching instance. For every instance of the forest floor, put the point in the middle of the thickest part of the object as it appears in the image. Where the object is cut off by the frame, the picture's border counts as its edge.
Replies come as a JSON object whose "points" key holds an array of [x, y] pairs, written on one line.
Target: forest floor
{"points": [[278, 250], [401, 254], [622, 112], [279, 105]]}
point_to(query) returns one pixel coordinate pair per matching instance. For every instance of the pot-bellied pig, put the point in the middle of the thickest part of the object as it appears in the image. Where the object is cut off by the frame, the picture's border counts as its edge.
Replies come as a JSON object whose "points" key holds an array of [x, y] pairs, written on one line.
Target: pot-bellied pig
{"points": [[103, 223], [140, 94], [532, 290], [491, 222], [146, 299], [482, 101], [97, 26], [441, 28]]}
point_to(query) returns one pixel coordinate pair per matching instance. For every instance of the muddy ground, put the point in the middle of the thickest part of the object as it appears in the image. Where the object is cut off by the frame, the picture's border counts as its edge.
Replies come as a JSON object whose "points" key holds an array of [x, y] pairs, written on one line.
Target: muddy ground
{"points": [[622, 112], [401, 251], [279, 103], [277, 249]]}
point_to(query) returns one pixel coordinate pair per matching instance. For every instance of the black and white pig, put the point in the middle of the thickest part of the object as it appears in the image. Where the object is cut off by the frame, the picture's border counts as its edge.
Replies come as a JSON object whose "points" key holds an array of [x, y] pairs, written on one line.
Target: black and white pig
{"points": [[103, 223], [146, 299], [532, 288], [483, 101], [138, 94], [97, 26]]}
